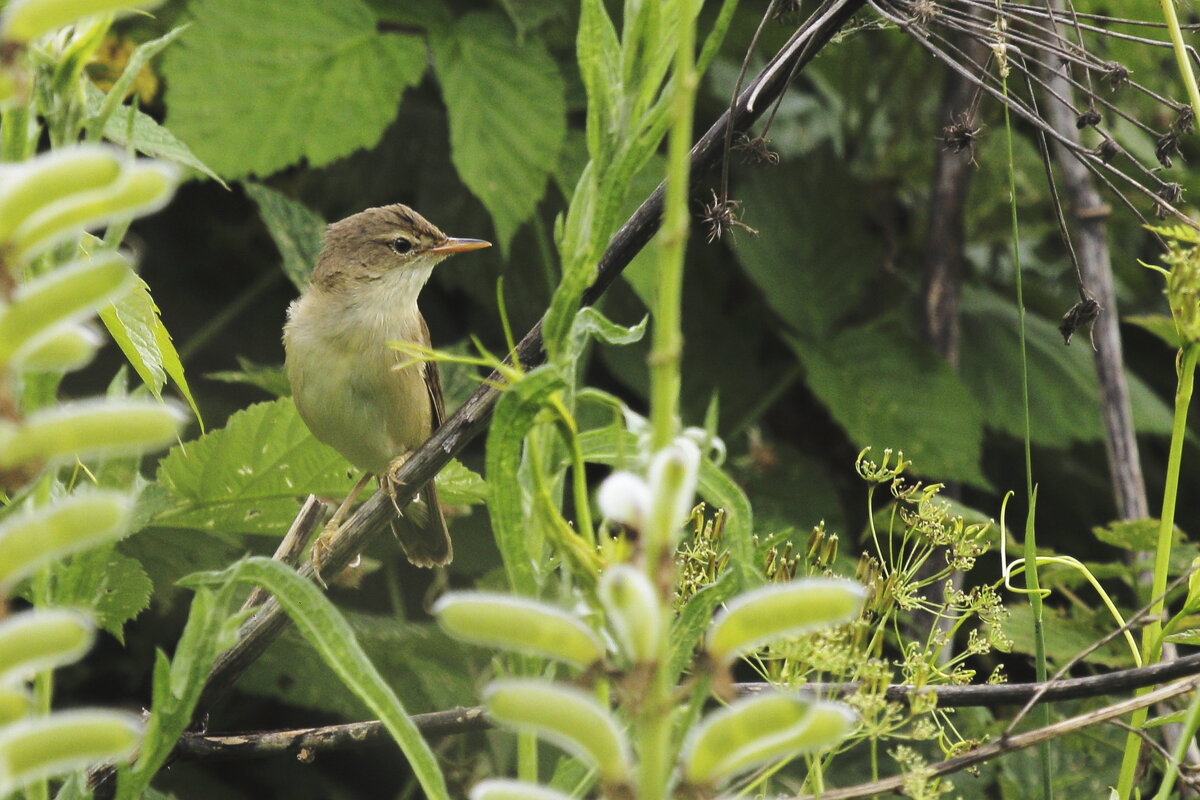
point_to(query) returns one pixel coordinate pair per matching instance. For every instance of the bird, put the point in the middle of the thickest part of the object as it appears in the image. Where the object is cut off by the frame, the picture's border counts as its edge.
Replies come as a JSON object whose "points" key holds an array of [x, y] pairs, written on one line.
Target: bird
{"points": [[356, 392]]}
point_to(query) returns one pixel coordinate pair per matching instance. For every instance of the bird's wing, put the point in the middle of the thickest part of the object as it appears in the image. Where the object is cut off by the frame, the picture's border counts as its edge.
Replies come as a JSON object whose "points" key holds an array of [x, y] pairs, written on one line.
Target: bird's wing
{"points": [[433, 382]]}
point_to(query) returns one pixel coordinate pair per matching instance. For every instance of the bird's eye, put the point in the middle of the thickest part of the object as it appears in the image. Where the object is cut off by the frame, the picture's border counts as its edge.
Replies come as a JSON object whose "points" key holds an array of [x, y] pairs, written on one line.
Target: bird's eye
{"points": [[401, 245]]}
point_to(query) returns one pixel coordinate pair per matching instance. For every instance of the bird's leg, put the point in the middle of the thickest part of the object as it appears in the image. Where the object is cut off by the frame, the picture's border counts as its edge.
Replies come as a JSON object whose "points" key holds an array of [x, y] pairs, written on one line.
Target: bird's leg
{"points": [[329, 533], [389, 483]]}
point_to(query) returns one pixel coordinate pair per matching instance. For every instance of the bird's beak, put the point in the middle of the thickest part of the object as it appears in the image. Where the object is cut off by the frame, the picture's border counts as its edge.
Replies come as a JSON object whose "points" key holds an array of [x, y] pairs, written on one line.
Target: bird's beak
{"points": [[458, 246]]}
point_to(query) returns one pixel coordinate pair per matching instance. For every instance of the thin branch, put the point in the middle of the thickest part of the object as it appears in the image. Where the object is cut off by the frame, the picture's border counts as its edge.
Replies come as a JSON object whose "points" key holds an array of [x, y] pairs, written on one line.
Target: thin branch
{"points": [[195, 746], [1013, 743]]}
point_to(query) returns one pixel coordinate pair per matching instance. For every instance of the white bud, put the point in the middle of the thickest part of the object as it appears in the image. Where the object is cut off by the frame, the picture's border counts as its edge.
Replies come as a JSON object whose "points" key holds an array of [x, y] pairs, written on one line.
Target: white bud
{"points": [[624, 498]]}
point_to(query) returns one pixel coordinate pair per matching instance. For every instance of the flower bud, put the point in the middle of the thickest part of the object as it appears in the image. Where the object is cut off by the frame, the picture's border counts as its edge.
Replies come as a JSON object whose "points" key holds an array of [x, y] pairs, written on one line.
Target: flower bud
{"points": [[772, 612], [502, 789], [634, 612], [90, 427], [141, 188], [672, 479], [624, 498], [74, 523], [68, 293], [520, 624], [760, 729], [32, 641], [566, 716], [38, 747], [27, 187], [24, 20]]}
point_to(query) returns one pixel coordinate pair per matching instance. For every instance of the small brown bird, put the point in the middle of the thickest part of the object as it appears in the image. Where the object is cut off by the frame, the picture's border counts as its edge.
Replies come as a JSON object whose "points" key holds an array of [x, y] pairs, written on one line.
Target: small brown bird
{"points": [[347, 381]]}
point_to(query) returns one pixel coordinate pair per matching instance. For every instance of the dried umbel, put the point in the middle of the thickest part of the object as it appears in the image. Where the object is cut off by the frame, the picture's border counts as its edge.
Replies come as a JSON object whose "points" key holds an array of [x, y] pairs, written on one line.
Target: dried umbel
{"points": [[720, 217], [962, 135], [1084, 313], [1091, 117]]}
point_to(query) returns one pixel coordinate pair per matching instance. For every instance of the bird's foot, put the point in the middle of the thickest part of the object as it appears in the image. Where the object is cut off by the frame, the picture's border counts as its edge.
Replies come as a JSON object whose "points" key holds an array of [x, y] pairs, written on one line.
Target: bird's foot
{"points": [[391, 484], [328, 535]]}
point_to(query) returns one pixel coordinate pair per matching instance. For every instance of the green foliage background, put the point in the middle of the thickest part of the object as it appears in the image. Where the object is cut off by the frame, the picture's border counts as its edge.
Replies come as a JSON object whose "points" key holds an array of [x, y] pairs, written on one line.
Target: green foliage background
{"points": [[807, 335]]}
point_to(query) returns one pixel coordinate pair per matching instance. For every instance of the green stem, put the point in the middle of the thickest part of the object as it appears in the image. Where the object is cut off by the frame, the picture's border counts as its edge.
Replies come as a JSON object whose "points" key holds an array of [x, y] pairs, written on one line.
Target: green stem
{"points": [[1181, 58], [667, 347], [583, 508], [1186, 734], [1032, 583], [1152, 634]]}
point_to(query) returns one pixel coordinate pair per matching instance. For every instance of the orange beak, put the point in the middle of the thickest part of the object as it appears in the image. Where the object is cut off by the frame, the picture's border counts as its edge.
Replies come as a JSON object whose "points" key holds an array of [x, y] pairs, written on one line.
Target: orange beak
{"points": [[458, 246]]}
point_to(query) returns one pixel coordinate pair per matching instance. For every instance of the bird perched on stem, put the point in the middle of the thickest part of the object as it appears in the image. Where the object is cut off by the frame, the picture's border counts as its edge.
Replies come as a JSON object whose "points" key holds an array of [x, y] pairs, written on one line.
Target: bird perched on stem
{"points": [[356, 392]]}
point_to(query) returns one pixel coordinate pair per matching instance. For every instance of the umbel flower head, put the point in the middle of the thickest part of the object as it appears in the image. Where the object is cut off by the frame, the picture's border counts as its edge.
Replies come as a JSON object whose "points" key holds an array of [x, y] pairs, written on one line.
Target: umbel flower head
{"points": [[1183, 280]]}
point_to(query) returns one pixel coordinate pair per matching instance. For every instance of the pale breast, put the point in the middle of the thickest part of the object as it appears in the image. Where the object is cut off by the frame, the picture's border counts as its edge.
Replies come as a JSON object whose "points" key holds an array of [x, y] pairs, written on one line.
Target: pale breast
{"points": [[347, 386]]}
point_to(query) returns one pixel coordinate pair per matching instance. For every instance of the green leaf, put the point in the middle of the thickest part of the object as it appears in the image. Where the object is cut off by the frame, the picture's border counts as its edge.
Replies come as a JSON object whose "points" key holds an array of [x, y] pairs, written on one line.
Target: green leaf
{"points": [[515, 414], [459, 486], [211, 629], [1161, 325], [599, 56], [315, 80], [1064, 404], [121, 86], [135, 325], [145, 136], [1134, 534], [297, 231], [888, 390], [693, 620], [247, 476], [529, 15], [508, 114], [113, 587], [590, 323], [325, 629], [427, 669], [1190, 636], [811, 267], [269, 377]]}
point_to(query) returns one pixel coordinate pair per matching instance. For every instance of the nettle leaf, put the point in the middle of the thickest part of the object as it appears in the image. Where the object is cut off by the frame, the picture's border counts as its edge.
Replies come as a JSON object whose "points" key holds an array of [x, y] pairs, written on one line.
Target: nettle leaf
{"points": [[314, 79], [460, 486], [889, 390], [508, 115], [811, 267], [247, 476], [1063, 402], [135, 325], [112, 586], [297, 230]]}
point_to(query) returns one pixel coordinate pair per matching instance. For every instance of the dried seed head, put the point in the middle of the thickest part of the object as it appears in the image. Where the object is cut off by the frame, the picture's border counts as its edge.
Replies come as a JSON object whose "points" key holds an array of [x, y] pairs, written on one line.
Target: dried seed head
{"points": [[1091, 117], [1167, 146], [1185, 122], [1171, 193], [756, 150], [1082, 313], [1107, 150], [962, 134], [720, 216], [1116, 74], [924, 11]]}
